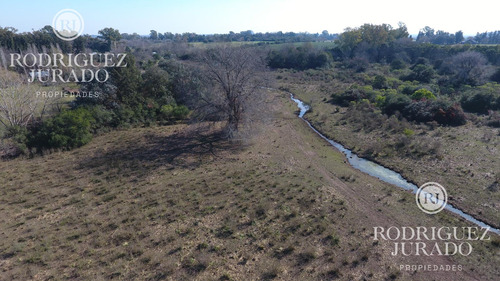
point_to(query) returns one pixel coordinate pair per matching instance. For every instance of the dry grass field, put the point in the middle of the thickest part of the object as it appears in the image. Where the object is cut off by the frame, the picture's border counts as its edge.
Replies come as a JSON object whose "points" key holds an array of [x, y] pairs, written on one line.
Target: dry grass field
{"points": [[167, 203]]}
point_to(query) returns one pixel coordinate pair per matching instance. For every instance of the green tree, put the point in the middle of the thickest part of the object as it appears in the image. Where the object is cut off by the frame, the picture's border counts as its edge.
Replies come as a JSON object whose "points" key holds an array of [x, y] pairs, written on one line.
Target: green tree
{"points": [[380, 82], [400, 32], [425, 34], [348, 40], [127, 81], [375, 35], [153, 35], [421, 72], [111, 36], [79, 44], [459, 37], [105, 93], [370, 37], [156, 85], [423, 94]]}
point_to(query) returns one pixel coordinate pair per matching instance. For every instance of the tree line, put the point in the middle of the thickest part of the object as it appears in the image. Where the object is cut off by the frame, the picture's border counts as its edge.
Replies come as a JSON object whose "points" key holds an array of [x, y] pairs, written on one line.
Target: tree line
{"points": [[487, 38], [11, 39], [243, 36]]}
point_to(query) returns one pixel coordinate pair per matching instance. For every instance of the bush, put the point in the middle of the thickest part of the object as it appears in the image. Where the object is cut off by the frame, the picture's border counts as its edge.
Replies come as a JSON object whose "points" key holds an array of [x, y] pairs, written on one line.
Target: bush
{"points": [[494, 123], [300, 58], [67, 130], [420, 111], [426, 109], [181, 112], [103, 117], [494, 120], [482, 99], [440, 111], [423, 94], [452, 115], [124, 117], [380, 82], [496, 76], [420, 72], [355, 94], [395, 102], [358, 64], [408, 132], [407, 88], [174, 112], [397, 64], [14, 142]]}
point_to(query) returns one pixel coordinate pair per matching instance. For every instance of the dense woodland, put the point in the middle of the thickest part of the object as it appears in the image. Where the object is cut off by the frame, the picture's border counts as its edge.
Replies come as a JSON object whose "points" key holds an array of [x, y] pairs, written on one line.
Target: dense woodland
{"points": [[438, 77]]}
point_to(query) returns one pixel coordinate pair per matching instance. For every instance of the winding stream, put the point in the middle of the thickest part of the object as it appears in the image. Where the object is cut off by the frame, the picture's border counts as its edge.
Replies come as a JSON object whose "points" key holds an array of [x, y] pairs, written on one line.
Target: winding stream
{"points": [[383, 173]]}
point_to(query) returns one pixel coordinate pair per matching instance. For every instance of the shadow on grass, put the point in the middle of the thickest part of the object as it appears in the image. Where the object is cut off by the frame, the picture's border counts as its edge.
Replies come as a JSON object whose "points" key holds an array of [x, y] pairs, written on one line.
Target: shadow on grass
{"points": [[186, 149]]}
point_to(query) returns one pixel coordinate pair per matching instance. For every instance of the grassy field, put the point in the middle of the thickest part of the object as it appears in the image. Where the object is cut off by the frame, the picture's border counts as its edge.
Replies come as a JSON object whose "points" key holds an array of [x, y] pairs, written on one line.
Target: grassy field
{"points": [[169, 203]]}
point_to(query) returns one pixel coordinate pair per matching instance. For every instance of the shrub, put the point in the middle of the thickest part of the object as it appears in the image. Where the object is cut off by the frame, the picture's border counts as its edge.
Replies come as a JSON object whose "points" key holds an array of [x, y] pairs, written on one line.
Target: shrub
{"points": [[440, 111], [358, 64], [407, 88], [482, 99], [420, 72], [380, 82], [420, 111], [174, 112], [395, 102], [494, 120], [452, 115], [355, 94], [69, 129], [180, 112], [423, 94], [496, 76], [300, 58], [408, 132], [124, 116], [393, 83], [397, 64], [103, 117], [14, 142]]}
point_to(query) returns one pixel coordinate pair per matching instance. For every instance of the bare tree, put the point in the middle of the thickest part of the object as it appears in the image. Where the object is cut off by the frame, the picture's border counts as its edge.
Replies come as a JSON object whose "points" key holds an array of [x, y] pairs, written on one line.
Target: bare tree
{"points": [[469, 67], [235, 78], [21, 102]]}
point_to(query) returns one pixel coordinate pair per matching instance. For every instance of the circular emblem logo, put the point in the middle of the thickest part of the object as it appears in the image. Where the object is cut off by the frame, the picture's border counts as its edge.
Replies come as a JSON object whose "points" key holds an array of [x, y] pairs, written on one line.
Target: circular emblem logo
{"points": [[67, 24], [431, 198]]}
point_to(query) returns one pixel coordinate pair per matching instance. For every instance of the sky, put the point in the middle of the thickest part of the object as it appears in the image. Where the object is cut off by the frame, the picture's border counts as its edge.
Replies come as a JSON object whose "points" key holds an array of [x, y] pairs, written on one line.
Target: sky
{"points": [[222, 16]]}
